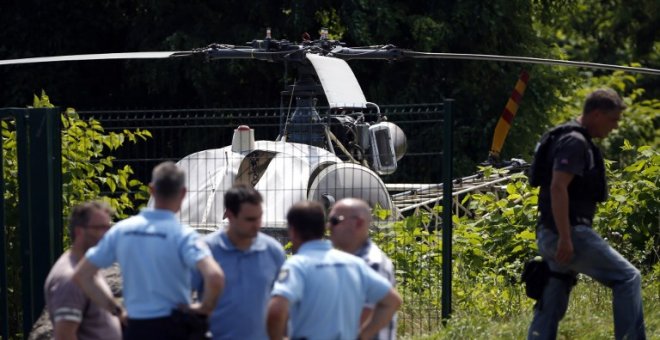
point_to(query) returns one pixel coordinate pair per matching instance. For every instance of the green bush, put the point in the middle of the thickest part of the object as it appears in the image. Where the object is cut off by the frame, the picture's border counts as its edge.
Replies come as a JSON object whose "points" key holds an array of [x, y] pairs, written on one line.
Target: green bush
{"points": [[630, 218]]}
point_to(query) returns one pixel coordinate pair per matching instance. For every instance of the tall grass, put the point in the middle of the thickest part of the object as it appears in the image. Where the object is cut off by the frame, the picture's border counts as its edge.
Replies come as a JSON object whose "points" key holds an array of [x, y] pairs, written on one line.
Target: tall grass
{"points": [[589, 316]]}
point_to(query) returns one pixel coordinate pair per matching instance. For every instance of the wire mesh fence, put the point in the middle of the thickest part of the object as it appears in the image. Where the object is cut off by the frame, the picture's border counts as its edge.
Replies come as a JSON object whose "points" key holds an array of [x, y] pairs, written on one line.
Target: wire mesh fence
{"points": [[326, 157]]}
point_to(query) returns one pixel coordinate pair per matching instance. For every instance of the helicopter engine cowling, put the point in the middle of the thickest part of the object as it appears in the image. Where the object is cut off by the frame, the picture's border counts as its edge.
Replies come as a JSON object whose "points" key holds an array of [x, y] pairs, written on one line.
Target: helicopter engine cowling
{"points": [[343, 180]]}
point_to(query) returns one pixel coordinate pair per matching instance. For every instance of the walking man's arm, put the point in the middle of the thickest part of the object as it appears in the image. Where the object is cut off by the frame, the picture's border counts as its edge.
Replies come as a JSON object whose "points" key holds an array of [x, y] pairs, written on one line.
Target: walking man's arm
{"points": [[559, 200]]}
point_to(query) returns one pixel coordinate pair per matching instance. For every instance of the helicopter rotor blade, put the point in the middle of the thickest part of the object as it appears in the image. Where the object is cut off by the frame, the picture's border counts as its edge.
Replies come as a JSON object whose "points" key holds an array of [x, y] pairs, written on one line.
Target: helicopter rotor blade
{"points": [[384, 52], [213, 52], [390, 53], [529, 60], [102, 56]]}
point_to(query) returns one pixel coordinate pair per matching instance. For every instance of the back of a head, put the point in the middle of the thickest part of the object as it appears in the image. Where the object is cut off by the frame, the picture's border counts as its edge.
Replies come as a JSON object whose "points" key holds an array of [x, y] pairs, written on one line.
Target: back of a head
{"points": [[167, 180], [240, 194], [604, 99], [307, 218]]}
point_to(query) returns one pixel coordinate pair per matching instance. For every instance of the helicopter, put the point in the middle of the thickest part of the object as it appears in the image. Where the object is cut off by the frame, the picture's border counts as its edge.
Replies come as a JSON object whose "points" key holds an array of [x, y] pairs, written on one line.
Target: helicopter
{"points": [[321, 157]]}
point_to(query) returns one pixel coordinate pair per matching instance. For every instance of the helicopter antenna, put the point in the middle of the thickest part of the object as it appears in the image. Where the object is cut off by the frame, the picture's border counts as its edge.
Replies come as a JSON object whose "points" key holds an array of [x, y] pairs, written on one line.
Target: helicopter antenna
{"points": [[283, 123], [288, 110]]}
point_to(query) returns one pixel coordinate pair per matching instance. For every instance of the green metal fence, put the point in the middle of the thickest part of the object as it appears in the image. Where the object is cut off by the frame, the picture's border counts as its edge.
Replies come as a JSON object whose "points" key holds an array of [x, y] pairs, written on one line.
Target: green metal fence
{"points": [[37, 230]]}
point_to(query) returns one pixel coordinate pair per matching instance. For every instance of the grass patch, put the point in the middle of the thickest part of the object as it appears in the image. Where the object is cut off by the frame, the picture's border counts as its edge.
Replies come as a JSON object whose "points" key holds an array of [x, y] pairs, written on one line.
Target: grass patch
{"points": [[589, 316]]}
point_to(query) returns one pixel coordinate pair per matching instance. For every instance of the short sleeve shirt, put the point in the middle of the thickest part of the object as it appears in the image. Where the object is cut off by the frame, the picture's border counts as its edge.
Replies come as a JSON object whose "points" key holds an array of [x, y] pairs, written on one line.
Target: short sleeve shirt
{"points": [[573, 154], [156, 254], [65, 301], [378, 261], [249, 276], [326, 290]]}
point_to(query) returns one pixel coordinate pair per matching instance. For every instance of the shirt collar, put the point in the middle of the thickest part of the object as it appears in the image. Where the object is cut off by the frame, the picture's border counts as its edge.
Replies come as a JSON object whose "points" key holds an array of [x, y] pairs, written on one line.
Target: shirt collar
{"points": [[578, 125], [157, 213], [258, 244], [364, 249], [315, 245]]}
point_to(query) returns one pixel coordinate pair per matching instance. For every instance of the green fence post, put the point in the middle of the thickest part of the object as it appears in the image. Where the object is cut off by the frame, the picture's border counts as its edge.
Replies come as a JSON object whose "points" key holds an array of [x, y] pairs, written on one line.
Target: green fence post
{"points": [[4, 284], [447, 198], [24, 215], [40, 203]]}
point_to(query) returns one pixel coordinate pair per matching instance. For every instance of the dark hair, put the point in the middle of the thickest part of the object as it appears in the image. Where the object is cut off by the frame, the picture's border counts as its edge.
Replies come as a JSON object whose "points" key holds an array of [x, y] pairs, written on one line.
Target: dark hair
{"points": [[240, 194], [81, 213], [603, 99], [167, 180], [307, 218]]}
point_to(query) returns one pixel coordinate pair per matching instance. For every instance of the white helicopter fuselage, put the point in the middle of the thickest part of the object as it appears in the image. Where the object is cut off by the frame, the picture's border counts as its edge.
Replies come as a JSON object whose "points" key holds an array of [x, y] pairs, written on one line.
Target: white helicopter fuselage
{"points": [[283, 172]]}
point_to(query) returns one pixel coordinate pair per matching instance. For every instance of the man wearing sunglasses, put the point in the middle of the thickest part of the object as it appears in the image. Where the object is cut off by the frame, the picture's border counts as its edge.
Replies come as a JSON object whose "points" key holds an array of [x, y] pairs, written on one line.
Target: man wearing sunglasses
{"points": [[349, 223], [322, 290], [74, 315]]}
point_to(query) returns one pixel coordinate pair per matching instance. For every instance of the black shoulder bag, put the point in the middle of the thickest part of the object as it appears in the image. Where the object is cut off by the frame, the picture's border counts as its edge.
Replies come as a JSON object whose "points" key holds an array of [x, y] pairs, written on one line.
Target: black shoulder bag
{"points": [[536, 274]]}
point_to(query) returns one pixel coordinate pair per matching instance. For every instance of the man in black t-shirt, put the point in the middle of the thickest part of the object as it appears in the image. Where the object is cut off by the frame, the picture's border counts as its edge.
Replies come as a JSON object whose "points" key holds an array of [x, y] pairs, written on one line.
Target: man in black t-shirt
{"points": [[567, 204]]}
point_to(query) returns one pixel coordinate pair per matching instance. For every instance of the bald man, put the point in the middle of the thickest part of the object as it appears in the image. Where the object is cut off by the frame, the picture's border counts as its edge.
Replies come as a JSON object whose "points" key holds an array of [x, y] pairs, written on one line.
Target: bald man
{"points": [[349, 222]]}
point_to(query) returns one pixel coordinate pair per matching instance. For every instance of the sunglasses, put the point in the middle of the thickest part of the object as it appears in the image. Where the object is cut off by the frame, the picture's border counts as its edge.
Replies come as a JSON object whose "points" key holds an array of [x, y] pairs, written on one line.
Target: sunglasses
{"points": [[336, 219]]}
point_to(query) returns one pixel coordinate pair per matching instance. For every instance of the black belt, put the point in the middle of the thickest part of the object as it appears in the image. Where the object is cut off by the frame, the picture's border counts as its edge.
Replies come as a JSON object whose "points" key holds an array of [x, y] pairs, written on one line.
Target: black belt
{"points": [[573, 220], [150, 321]]}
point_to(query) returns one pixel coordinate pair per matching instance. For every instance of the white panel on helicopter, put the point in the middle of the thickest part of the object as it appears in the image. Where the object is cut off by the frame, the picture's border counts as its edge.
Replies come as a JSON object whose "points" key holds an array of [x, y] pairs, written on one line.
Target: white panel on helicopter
{"points": [[339, 83]]}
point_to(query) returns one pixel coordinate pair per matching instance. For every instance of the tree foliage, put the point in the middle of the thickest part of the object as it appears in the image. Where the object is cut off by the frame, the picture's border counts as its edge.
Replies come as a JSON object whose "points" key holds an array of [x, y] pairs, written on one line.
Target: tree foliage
{"points": [[481, 89], [640, 124]]}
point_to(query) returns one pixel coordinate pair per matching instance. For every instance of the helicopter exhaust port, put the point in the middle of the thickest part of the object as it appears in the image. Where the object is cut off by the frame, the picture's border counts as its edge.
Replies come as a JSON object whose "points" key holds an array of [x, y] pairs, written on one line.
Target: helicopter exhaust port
{"points": [[243, 139]]}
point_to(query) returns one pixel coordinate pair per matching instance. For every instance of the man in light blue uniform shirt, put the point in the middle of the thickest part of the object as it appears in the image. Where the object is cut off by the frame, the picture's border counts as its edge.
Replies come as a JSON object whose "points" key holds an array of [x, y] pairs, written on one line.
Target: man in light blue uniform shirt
{"points": [[250, 260], [321, 291], [156, 254]]}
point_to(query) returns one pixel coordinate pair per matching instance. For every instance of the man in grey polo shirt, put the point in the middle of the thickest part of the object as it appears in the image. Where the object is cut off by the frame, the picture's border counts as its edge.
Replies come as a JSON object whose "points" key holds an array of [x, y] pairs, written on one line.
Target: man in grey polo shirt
{"points": [[74, 315], [250, 260]]}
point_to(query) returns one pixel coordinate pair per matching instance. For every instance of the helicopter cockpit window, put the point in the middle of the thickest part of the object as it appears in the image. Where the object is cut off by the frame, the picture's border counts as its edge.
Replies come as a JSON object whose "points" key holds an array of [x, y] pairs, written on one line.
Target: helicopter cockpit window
{"points": [[382, 149], [385, 156]]}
